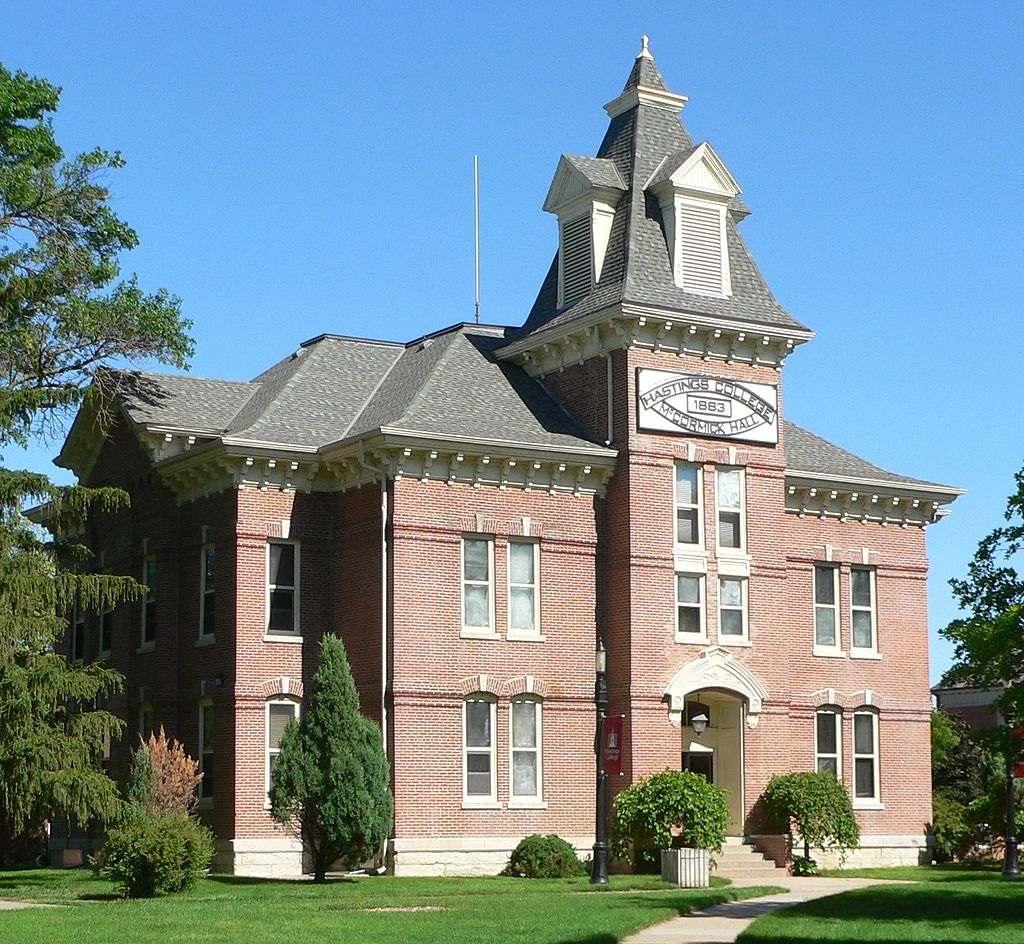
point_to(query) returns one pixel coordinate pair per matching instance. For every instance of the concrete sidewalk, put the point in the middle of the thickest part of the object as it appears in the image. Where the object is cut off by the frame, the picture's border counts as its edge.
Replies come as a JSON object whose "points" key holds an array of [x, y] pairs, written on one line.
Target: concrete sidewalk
{"points": [[723, 923]]}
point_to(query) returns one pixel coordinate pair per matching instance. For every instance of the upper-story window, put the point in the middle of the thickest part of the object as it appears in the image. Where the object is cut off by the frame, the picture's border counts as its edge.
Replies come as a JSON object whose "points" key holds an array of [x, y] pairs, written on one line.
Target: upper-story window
{"points": [[826, 607], [729, 497], [688, 503], [149, 601], [523, 595], [282, 587], [690, 607], [862, 601], [106, 626], [478, 585], [207, 590], [732, 609], [146, 720]]}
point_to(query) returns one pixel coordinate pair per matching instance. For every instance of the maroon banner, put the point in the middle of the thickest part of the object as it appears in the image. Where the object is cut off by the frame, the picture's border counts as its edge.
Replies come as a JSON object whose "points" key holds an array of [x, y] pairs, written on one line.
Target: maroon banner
{"points": [[1018, 770], [612, 747]]}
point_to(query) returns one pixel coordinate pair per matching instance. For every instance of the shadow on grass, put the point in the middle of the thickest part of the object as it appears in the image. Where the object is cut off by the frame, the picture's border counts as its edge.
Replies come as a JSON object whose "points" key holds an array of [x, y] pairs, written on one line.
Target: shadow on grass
{"points": [[241, 881]]}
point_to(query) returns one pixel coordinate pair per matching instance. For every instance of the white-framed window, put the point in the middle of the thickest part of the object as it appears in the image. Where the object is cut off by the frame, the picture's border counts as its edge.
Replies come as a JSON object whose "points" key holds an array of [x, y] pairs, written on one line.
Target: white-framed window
{"points": [[526, 780], [828, 741], [864, 637], [689, 516], [478, 749], [280, 711], [478, 584], [729, 499], [690, 607], [78, 633], [207, 590], [865, 758], [146, 720], [732, 609], [148, 637], [524, 588], [206, 785], [282, 587], [826, 607]]}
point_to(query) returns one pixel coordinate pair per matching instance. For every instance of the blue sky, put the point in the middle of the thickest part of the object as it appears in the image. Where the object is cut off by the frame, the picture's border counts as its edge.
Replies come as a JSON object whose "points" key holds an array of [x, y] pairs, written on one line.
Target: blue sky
{"points": [[307, 168]]}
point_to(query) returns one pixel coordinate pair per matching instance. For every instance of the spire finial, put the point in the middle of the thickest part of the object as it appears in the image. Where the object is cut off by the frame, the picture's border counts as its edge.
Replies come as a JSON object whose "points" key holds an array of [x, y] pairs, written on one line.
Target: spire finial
{"points": [[645, 53]]}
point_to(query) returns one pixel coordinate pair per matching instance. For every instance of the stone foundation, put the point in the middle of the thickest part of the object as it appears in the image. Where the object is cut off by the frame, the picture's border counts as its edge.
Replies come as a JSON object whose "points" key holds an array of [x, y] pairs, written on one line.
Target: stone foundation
{"points": [[874, 852], [259, 858], [475, 855]]}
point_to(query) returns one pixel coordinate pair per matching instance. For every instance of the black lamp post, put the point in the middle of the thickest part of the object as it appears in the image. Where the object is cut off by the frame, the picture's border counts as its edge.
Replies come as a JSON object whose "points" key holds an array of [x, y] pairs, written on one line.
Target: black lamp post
{"points": [[1011, 865], [599, 866]]}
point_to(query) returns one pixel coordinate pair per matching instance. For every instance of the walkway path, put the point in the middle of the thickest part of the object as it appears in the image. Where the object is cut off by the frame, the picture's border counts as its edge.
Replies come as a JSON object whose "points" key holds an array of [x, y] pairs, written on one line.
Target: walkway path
{"points": [[723, 923]]}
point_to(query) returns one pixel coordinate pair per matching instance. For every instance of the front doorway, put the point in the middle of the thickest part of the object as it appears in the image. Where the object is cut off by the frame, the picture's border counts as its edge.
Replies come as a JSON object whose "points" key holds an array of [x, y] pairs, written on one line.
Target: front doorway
{"points": [[716, 752]]}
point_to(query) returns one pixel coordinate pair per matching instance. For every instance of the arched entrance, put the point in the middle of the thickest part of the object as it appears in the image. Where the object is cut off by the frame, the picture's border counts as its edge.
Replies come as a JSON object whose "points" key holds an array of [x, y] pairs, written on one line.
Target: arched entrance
{"points": [[730, 697]]}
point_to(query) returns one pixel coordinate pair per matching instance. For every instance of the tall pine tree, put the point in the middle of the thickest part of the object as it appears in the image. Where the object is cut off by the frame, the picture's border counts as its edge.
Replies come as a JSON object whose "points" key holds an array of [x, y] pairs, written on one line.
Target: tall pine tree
{"points": [[332, 778], [65, 315]]}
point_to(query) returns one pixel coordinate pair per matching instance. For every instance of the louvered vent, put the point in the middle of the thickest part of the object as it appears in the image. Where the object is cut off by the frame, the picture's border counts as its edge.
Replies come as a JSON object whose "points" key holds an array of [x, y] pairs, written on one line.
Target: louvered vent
{"points": [[576, 259], [701, 231]]}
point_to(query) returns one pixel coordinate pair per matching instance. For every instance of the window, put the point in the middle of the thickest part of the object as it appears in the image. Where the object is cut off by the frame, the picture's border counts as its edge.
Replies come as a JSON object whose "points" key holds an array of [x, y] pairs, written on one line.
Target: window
{"points": [[279, 713], [688, 510], [149, 601], [206, 749], [826, 607], [862, 599], [526, 777], [78, 634], [827, 743], [729, 496], [732, 608], [207, 590], [282, 587], [478, 749], [106, 627], [478, 584], [523, 598], [690, 606], [145, 720], [865, 757]]}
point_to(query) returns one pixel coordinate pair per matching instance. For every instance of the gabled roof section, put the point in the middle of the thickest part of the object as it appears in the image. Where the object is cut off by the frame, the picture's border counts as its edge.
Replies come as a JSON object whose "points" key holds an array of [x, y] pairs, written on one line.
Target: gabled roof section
{"points": [[697, 168], [646, 138]]}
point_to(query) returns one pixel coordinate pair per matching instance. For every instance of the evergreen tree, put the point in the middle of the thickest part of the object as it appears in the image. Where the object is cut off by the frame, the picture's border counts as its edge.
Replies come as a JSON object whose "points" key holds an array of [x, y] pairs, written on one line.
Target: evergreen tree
{"points": [[64, 317], [331, 779]]}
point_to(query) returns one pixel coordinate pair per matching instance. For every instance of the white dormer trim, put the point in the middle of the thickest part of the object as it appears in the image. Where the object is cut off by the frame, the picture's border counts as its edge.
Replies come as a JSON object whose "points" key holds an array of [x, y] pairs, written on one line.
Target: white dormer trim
{"points": [[694, 198], [573, 196]]}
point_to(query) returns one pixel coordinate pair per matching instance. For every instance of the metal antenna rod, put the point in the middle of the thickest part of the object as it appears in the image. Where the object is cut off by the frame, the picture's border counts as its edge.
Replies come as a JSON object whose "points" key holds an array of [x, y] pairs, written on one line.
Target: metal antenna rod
{"points": [[476, 228]]}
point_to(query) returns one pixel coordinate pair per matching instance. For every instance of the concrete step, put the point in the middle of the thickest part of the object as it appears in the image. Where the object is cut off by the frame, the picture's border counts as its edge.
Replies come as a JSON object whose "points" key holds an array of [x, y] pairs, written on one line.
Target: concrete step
{"points": [[764, 875]]}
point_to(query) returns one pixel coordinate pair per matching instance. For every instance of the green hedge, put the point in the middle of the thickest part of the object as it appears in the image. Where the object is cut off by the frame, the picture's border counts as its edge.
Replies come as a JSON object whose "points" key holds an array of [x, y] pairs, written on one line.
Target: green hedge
{"points": [[548, 856]]}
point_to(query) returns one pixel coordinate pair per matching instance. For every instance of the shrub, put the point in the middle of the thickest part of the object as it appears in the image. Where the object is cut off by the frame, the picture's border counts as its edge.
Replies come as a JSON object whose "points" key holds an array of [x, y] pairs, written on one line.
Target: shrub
{"points": [[675, 808], [540, 856], [818, 805], [148, 854], [953, 837], [804, 865], [173, 776]]}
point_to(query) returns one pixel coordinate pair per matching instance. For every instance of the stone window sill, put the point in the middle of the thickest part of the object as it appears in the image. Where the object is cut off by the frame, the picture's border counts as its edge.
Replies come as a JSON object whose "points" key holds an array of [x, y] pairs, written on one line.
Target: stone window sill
{"points": [[281, 637], [205, 641], [481, 805], [830, 653], [146, 647], [478, 634]]}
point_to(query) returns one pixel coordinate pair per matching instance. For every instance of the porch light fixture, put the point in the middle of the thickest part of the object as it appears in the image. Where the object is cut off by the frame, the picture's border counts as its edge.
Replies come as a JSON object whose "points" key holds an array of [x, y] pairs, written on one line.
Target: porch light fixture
{"points": [[599, 869], [699, 723]]}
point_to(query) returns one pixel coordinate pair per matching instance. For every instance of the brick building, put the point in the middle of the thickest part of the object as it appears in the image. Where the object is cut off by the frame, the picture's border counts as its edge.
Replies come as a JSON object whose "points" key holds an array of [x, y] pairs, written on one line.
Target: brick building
{"points": [[473, 510]]}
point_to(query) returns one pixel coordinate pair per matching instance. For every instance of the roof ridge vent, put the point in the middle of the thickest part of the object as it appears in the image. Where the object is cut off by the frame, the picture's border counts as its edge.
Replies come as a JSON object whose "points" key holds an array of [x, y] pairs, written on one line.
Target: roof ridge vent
{"points": [[425, 343]]}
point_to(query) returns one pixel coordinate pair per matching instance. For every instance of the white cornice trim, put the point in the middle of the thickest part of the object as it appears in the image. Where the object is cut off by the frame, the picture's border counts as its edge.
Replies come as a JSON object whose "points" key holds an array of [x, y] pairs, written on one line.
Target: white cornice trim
{"points": [[645, 95]]}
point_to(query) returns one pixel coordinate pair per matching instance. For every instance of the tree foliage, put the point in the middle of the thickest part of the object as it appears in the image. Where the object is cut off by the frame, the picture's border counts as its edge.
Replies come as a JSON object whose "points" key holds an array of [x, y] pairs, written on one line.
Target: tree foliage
{"points": [[818, 806], [164, 778], [675, 808], [64, 316], [988, 643], [331, 778]]}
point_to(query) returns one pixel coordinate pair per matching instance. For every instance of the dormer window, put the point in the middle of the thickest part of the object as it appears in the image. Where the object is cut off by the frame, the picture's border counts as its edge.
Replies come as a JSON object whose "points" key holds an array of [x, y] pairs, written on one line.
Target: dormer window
{"points": [[694, 188], [583, 195]]}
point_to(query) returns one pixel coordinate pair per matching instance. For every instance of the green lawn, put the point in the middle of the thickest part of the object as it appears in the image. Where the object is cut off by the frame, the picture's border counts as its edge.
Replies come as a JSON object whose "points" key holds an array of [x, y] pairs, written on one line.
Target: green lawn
{"points": [[945, 903], [226, 910]]}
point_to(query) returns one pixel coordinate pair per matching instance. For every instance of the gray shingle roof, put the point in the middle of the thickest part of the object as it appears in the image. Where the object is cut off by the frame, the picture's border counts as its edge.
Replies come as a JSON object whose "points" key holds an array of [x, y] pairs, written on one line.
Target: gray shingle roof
{"points": [[183, 402], [806, 452], [637, 266], [600, 171]]}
